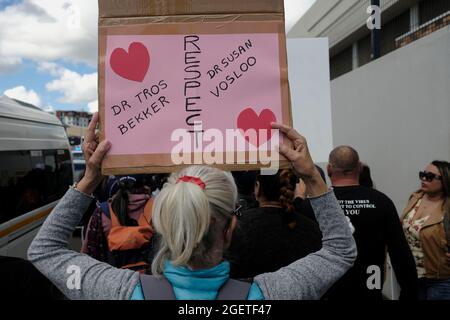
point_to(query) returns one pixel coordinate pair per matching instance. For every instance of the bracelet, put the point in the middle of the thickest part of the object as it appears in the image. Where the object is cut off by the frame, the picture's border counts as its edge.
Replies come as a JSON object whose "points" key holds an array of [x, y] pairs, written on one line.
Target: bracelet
{"points": [[74, 186], [320, 195]]}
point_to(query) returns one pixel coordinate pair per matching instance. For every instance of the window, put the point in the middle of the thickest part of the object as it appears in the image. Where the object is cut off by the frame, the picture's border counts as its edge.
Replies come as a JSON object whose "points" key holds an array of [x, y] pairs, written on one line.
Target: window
{"points": [[431, 9], [74, 141], [341, 63], [32, 179], [79, 166], [395, 28], [77, 156], [364, 50]]}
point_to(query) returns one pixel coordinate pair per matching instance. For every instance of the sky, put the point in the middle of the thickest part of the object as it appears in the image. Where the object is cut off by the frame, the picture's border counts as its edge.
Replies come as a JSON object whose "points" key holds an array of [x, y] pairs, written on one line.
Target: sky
{"points": [[48, 51]]}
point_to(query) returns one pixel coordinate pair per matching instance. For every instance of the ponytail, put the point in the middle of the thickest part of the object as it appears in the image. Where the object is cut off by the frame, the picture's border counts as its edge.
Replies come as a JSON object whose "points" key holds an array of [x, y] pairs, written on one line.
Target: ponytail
{"points": [[287, 187], [183, 213], [280, 187], [127, 185], [119, 206]]}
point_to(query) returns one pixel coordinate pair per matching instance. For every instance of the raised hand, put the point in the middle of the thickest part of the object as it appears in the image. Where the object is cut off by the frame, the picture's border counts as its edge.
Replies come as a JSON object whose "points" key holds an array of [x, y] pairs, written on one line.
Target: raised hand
{"points": [[301, 160], [94, 152]]}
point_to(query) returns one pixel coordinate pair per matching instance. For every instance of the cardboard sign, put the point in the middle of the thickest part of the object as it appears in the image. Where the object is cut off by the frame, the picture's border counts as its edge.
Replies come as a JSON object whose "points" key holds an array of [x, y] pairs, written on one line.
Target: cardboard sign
{"points": [[191, 82]]}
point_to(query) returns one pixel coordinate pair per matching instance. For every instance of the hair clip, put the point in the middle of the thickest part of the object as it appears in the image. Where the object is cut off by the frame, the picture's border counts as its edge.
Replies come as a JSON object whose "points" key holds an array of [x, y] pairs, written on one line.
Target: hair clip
{"points": [[195, 180]]}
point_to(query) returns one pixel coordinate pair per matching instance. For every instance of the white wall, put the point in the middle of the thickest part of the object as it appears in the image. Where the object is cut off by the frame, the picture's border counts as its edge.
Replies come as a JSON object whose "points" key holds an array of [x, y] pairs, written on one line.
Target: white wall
{"points": [[396, 112], [309, 81]]}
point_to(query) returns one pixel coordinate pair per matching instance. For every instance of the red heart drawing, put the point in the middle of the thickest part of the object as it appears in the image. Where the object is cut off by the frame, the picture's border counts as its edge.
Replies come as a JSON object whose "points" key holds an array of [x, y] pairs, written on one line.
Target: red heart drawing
{"points": [[132, 65], [248, 119]]}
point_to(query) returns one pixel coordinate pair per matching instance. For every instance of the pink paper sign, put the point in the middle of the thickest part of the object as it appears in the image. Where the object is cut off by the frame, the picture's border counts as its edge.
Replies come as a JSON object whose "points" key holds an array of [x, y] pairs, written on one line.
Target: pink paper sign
{"points": [[156, 84]]}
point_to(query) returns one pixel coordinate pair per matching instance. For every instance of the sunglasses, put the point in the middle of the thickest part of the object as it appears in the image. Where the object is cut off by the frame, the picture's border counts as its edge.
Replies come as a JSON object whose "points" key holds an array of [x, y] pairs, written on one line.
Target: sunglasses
{"points": [[428, 176], [237, 212]]}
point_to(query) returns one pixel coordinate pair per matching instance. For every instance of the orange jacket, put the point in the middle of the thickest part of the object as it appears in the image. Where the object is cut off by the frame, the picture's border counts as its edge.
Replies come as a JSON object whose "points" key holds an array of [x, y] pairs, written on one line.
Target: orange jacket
{"points": [[128, 238]]}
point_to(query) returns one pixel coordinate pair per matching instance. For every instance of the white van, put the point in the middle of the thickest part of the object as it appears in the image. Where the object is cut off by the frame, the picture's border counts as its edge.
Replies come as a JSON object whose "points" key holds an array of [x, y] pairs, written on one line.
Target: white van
{"points": [[35, 171]]}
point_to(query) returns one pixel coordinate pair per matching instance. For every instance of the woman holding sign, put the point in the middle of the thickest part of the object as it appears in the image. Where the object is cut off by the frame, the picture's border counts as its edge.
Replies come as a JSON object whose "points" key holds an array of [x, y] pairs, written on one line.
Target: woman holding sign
{"points": [[195, 217]]}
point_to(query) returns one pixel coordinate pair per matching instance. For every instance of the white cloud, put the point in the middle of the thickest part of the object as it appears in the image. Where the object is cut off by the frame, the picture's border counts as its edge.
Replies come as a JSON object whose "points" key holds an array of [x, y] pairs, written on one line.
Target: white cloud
{"points": [[48, 30], [93, 106], [9, 64], [50, 67], [74, 87], [21, 93]]}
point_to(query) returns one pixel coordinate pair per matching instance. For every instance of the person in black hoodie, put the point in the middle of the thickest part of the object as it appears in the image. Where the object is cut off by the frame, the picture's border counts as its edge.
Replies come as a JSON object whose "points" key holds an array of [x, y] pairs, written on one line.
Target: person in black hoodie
{"points": [[273, 235], [377, 230]]}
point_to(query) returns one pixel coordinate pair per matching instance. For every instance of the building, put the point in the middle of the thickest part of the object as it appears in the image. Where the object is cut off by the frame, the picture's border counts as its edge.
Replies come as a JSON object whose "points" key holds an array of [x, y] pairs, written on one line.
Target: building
{"points": [[74, 118], [76, 124], [395, 110], [344, 23]]}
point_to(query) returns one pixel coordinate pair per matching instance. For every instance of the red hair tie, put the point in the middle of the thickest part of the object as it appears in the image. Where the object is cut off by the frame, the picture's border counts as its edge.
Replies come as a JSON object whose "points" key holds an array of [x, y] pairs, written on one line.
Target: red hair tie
{"points": [[195, 180]]}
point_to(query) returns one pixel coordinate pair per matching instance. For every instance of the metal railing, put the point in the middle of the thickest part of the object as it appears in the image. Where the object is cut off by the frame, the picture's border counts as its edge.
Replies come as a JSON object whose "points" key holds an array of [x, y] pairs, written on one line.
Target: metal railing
{"points": [[421, 31]]}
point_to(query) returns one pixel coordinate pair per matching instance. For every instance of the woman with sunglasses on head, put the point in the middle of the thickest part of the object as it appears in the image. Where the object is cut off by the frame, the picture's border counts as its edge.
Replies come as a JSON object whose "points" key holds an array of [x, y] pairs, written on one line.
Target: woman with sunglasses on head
{"points": [[194, 216], [426, 222]]}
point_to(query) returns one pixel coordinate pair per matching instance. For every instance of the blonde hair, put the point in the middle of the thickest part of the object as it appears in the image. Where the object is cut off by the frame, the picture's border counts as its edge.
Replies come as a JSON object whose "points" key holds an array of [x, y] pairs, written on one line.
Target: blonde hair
{"points": [[189, 219]]}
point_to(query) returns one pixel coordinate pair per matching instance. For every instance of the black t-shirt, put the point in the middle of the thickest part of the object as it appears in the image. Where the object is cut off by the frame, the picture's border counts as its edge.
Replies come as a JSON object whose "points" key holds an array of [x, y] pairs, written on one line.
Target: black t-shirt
{"points": [[377, 230], [264, 242]]}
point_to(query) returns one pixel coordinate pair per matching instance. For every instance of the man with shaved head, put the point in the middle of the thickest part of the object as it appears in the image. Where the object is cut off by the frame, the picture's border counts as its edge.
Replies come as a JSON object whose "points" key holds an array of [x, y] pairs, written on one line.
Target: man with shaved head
{"points": [[377, 230], [344, 159]]}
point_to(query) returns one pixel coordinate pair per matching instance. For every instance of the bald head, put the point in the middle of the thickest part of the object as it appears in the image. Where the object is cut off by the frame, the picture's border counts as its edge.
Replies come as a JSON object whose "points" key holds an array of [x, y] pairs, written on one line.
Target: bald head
{"points": [[344, 159]]}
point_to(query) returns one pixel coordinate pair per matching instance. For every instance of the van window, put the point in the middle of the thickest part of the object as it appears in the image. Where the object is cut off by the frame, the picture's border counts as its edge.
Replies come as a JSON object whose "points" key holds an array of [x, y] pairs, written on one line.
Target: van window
{"points": [[79, 167], [32, 179], [77, 156]]}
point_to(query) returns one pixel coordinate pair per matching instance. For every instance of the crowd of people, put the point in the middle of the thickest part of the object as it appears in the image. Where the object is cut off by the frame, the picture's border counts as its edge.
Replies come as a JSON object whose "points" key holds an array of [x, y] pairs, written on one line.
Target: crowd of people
{"points": [[203, 233]]}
